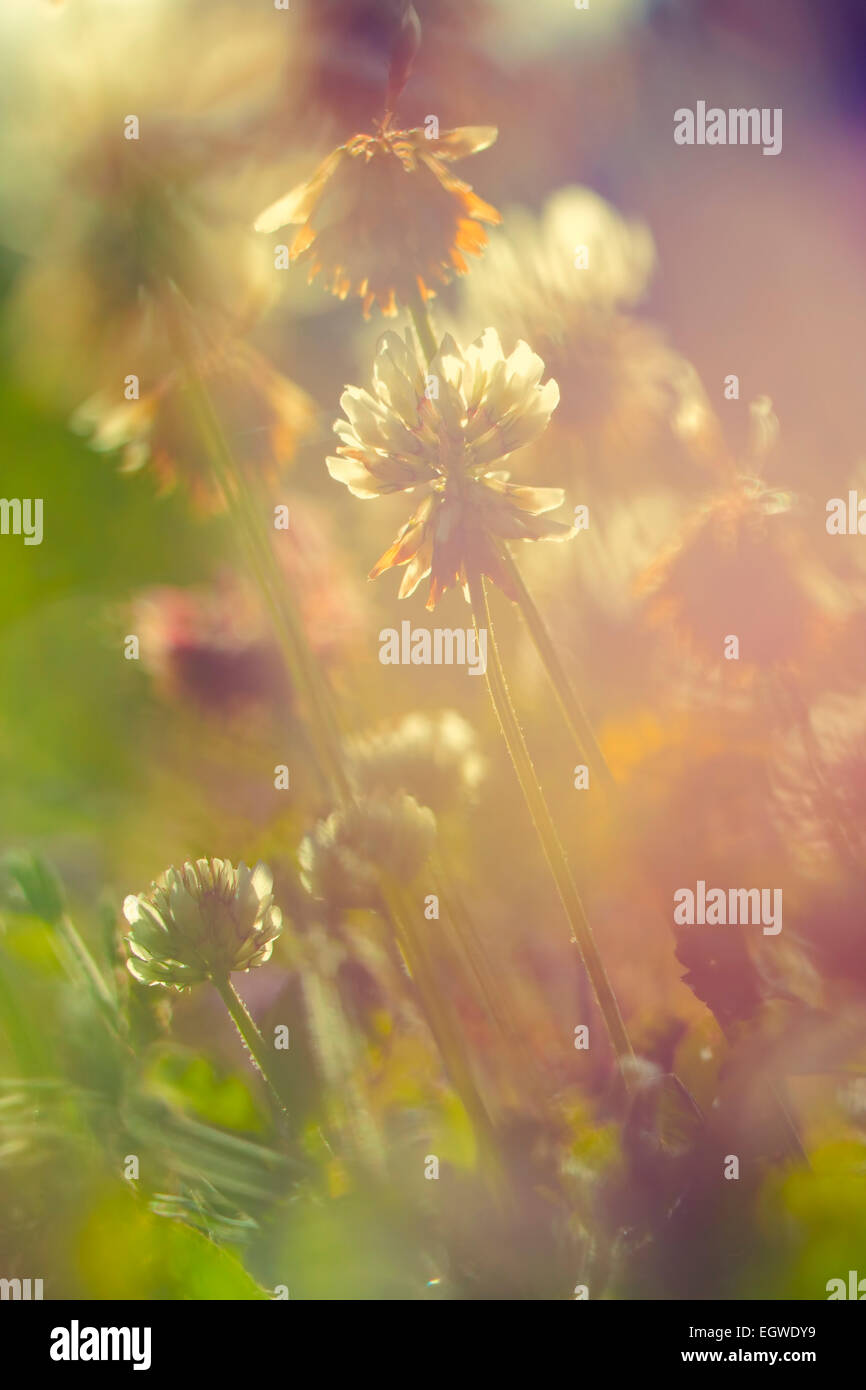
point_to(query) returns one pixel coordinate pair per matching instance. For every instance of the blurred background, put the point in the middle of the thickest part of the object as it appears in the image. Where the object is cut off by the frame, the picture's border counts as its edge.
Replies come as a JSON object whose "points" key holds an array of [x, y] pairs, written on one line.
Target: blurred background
{"points": [[707, 517]]}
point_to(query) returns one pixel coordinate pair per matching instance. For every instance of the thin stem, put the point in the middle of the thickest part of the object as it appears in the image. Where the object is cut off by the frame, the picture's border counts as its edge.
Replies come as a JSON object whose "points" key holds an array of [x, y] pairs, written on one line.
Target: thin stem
{"points": [[88, 965], [515, 1061], [250, 1035], [337, 1051], [79, 963], [546, 830], [421, 319], [569, 703], [470, 950], [419, 964], [793, 1142], [272, 583], [314, 680], [255, 540]]}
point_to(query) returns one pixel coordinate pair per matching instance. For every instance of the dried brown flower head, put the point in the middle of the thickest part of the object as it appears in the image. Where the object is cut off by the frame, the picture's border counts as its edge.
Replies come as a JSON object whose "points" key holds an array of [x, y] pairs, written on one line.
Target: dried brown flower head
{"points": [[266, 413], [384, 217], [738, 570]]}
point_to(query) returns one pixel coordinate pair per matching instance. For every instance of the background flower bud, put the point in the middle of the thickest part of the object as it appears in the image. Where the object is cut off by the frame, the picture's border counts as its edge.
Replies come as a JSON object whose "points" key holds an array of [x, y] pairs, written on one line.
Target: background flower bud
{"points": [[341, 861]]}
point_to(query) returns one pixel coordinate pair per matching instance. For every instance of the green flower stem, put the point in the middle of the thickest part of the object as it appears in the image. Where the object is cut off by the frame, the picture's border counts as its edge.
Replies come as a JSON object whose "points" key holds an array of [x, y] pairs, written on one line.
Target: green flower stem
{"points": [[418, 962], [94, 975], [573, 711], [250, 1035], [423, 327], [527, 777], [272, 582], [470, 950], [25, 1038], [337, 1055], [80, 965], [575, 716], [255, 540], [544, 825]]}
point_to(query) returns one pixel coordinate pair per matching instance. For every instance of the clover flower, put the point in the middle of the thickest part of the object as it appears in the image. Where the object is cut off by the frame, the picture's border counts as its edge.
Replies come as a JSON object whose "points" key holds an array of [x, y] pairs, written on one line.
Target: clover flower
{"points": [[201, 922], [344, 857], [383, 216], [741, 566], [406, 436], [134, 226], [531, 272], [434, 757], [143, 231], [737, 569], [624, 387], [263, 408]]}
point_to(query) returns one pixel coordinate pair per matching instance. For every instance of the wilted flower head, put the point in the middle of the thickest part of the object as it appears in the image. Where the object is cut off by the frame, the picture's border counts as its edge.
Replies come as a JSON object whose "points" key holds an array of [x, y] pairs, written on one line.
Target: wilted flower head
{"points": [[344, 857], [261, 407], [134, 215], [482, 407], [113, 220], [738, 569], [384, 217], [202, 922], [432, 756]]}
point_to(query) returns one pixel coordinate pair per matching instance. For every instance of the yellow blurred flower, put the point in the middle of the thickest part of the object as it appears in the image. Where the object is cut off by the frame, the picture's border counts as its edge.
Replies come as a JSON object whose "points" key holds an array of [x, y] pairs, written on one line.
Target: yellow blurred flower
{"points": [[407, 436], [383, 217], [141, 259]]}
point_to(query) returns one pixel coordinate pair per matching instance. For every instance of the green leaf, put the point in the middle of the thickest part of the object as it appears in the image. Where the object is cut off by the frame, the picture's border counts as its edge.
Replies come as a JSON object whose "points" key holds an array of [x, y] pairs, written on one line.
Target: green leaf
{"points": [[32, 886], [127, 1252], [192, 1082]]}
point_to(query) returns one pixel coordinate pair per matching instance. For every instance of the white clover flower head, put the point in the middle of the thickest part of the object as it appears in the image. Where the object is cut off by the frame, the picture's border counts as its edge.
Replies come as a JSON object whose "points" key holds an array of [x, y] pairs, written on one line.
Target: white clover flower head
{"points": [[579, 251], [203, 921], [443, 428], [434, 757], [569, 279]]}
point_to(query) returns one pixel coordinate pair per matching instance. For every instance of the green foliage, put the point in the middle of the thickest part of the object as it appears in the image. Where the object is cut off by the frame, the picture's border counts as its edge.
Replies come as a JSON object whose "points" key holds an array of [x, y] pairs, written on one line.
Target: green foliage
{"points": [[813, 1225], [38, 887], [193, 1083], [125, 1252]]}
